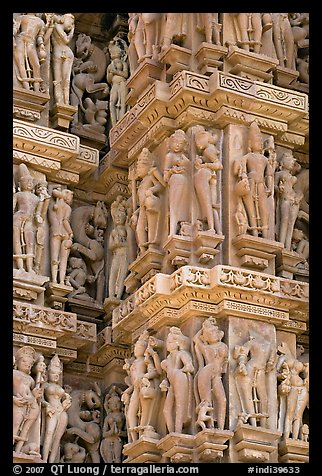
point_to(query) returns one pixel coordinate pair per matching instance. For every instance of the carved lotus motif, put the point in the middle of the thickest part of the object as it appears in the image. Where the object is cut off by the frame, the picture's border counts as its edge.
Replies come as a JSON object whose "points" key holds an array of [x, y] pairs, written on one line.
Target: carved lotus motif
{"points": [[240, 279], [258, 282], [274, 286]]}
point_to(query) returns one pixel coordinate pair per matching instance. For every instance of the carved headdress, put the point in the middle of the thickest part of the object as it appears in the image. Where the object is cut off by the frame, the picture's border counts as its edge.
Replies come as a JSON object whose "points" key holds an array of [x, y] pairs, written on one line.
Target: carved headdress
{"points": [[55, 365], [25, 351], [254, 135], [24, 174]]}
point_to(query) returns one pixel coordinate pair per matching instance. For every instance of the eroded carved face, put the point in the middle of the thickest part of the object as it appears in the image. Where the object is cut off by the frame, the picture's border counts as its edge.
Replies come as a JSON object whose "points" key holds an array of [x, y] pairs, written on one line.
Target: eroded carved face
{"points": [[24, 363]]}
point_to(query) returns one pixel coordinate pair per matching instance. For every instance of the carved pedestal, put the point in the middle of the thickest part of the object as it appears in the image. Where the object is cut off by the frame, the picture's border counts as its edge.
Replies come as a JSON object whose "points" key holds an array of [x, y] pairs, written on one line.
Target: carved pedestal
{"points": [[250, 65], [206, 245], [209, 57], [62, 116], [210, 444], [28, 105], [176, 58], [286, 262], [255, 444], [90, 136], [86, 310], [177, 447], [143, 268], [29, 286], [302, 274], [256, 253], [56, 295], [146, 73], [284, 77], [179, 249], [293, 451], [144, 450], [20, 458], [109, 305]]}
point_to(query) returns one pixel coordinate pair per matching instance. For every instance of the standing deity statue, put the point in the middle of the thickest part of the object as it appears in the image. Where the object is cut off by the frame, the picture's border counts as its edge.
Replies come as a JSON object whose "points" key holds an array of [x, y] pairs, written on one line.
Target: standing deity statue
{"points": [[136, 48], [150, 392], [178, 368], [212, 358], [152, 33], [56, 403], [205, 177], [26, 218], [118, 247], [256, 358], [283, 40], [60, 232], [41, 213], [175, 29], [113, 427], [249, 29], [26, 402], [62, 56], [30, 36], [255, 183], [117, 74], [136, 369], [209, 24], [147, 202], [287, 200], [293, 391], [176, 174]]}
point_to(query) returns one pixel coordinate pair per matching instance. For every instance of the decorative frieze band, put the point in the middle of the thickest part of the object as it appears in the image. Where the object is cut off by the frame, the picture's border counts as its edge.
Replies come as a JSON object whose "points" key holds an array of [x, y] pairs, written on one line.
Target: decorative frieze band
{"points": [[224, 288], [210, 95], [40, 140], [43, 320]]}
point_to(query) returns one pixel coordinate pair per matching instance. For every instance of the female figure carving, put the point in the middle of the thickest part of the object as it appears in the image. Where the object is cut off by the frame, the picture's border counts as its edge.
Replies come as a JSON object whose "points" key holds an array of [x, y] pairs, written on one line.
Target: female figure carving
{"points": [[56, 402], [61, 233], [62, 56], [287, 201], [283, 39], [117, 74], [178, 382], [176, 173], [118, 247], [293, 391], [205, 178]]}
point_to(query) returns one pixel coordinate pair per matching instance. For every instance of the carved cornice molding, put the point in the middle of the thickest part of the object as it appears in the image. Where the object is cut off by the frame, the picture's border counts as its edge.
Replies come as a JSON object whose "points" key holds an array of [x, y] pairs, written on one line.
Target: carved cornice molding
{"points": [[43, 141], [86, 161], [222, 291], [56, 153], [219, 99], [61, 326], [46, 346], [38, 163], [87, 370], [42, 321]]}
